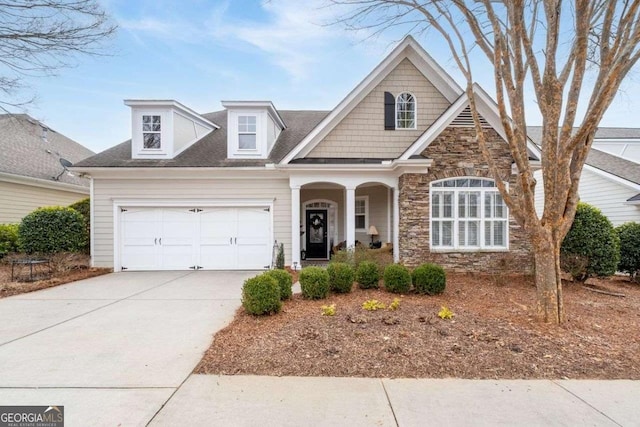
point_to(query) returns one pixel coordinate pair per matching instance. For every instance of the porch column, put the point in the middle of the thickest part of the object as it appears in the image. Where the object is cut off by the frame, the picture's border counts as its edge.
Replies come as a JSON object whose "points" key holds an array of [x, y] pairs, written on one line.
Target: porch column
{"points": [[396, 224], [351, 217], [295, 225]]}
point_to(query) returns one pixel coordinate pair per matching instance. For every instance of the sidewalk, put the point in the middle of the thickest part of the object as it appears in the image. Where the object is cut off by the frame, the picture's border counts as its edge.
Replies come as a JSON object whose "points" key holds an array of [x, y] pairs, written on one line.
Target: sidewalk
{"points": [[289, 401]]}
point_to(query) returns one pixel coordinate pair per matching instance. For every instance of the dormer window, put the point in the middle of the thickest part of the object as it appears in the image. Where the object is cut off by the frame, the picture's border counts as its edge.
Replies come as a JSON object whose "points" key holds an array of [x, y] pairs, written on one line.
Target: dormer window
{"points": [[247, 133], [151, 132], [405, 111]]}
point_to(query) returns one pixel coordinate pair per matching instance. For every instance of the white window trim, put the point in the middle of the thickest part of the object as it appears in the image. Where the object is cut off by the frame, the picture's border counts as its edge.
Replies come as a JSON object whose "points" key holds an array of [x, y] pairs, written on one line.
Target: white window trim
{"points": [[455, 232], [152, 150], [366, 214], [248, 150], [415, 111]]}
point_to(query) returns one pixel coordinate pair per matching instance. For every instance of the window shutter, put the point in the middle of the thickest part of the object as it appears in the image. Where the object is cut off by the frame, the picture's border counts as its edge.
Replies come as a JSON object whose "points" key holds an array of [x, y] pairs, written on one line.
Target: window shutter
{"points": [[389, 111]]}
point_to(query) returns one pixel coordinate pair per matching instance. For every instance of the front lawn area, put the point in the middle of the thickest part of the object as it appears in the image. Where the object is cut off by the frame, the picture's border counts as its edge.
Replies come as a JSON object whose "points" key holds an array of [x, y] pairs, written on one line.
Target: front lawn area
{"points": [[65, 268], [492, 335]]}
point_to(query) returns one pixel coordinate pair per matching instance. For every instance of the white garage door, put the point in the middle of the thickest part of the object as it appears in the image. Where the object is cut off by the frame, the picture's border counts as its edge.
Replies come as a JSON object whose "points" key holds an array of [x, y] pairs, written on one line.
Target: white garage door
{"points": [[195, 238]]}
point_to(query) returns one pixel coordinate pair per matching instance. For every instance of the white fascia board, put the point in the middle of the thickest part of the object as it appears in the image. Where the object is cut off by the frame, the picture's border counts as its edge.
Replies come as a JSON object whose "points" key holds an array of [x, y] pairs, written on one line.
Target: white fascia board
{"points": [[488, 108], [171, 103], [421, 164], [436, 128], [43, 183], [182, 173], [612, 177], [271, 109], [408, 48]]}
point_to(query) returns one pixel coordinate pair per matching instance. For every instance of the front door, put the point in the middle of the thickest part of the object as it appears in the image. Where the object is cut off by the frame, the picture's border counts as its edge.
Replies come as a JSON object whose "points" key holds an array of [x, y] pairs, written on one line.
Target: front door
{"points": [[316, 233]]}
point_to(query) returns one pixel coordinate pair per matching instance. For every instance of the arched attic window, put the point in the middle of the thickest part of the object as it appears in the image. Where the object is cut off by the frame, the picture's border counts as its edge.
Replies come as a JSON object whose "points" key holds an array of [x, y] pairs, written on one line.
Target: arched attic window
{"points": [[405, 111]]}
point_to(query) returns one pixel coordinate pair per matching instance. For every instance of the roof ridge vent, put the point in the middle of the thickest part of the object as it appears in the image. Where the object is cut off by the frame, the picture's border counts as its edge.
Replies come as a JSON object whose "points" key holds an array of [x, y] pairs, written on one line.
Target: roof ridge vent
{"points": [[465, 120]]}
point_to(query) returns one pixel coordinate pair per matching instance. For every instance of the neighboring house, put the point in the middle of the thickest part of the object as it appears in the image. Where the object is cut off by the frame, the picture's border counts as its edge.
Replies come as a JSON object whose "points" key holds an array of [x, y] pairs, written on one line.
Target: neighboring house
{"points": [[31, 173], [216, 191], [610, 179]]}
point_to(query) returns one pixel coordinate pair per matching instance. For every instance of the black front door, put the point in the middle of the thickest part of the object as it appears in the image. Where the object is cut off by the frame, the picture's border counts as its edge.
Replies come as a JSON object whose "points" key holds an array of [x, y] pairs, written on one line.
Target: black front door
{"points": [[316, 233]]}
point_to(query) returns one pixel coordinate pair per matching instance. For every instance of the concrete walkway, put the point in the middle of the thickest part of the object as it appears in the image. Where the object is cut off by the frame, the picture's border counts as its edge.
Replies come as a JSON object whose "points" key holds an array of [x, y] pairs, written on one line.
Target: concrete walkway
{"points": [[118, 350], [112, 349], [206, 400]]}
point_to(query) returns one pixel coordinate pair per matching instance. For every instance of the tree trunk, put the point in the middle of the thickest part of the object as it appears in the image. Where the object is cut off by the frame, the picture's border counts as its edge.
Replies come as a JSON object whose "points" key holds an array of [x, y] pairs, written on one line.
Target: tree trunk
{"points": [[548, 281]]}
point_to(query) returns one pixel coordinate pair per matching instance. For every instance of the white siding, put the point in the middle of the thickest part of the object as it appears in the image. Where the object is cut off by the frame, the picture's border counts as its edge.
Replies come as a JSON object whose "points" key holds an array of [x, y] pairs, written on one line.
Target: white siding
{"points": [[605, 194], [184, 131], [17, 200], [106, 190]]}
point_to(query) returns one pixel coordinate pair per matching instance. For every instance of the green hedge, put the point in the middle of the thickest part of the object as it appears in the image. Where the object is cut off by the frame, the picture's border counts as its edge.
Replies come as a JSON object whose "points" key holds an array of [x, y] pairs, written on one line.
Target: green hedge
{"points": [[8, 238], [341, 277], [429, 279], [592, 236], [314, 282], [368, 275], [397, 279], [53, 229], [261, 295], [285, 282], [629, 235]]}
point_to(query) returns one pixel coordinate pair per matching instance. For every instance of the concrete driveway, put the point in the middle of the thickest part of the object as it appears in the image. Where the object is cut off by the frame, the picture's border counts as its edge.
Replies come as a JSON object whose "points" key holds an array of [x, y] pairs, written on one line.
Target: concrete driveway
{"points": [[114, 347]]}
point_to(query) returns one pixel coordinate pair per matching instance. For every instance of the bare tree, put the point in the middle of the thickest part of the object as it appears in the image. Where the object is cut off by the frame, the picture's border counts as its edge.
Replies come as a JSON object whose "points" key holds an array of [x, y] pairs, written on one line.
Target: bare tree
{"points": [[565, 52], [39, 37]]}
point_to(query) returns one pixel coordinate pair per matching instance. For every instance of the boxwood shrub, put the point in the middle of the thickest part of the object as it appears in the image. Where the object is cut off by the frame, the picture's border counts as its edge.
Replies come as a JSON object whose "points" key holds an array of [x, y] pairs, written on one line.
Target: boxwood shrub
{"points": [[341, 276], [629, 235], [314, 282], [429, 279], [261, 295], [53, 229], [592, 236], [284, 282], [397, 279], [367, 275], [8, 238]]}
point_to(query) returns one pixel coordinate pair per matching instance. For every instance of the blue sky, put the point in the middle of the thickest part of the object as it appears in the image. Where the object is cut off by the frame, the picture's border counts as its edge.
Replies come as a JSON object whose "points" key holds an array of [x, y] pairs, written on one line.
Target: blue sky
{"points": [[201, 52]]}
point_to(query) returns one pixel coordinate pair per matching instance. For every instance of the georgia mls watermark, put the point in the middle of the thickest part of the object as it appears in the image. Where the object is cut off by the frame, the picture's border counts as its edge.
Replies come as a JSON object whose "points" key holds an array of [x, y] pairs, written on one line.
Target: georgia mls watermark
{"points": [[31, 416]]}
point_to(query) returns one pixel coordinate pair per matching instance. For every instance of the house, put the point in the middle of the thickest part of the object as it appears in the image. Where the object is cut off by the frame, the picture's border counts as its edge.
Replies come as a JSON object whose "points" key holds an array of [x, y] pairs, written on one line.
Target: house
{"points": [[217, 190], [610, 179], [32, 167]]}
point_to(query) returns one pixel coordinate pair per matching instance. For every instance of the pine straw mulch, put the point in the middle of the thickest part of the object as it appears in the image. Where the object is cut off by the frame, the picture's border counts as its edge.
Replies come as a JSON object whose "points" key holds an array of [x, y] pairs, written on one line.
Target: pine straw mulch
{"points": [[493, 335], [65, 268]]}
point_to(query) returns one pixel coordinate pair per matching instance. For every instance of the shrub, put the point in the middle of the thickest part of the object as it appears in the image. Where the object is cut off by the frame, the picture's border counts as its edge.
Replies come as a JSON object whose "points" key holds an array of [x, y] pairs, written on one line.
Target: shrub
{"points": [[445, 313], [8, 238], [367, 275], [429, 279], [397, 279], [53, 229], [328, 310], [592, 235], [314, 282], [284, 280], [361, 253], [395, 304], [373, 305], [280, 257], [341, 277], [84, 207], [261, 295], [629, 235]]}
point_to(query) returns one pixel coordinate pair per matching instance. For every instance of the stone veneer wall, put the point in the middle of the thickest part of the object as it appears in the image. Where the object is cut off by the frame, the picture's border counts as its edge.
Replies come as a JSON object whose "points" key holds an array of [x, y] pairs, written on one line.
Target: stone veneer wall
{"points": [[456, 153]]}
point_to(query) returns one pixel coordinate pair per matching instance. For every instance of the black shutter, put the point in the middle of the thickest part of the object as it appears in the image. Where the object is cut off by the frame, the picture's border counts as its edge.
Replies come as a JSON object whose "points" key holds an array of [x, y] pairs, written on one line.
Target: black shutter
{"points": [[389, 111]]}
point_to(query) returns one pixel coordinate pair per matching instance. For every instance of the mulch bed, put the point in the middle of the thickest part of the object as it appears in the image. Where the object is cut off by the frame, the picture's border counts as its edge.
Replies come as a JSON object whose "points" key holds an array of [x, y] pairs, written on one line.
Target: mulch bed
{"points": [[493, 335], [66, 268]]}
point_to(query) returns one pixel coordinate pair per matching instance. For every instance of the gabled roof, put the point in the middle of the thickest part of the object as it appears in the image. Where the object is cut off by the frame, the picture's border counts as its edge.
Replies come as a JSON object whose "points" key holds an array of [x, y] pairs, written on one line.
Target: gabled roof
{"points": [[488, 110], [409, 48], [613, 165], [211, 150], [32, 149]]}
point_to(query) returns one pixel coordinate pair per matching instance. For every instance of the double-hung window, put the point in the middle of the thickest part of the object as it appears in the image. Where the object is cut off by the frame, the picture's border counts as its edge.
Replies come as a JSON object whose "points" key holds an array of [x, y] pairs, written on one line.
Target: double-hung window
{"points": [[362, 210], [151, 132], [468, 213], [247, 134]]}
